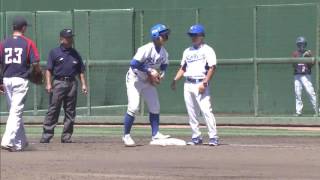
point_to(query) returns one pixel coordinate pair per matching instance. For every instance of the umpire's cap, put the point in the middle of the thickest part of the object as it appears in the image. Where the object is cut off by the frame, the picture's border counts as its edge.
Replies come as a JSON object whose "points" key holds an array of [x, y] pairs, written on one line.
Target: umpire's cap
{"points": [[18, 22], [66, 33]]}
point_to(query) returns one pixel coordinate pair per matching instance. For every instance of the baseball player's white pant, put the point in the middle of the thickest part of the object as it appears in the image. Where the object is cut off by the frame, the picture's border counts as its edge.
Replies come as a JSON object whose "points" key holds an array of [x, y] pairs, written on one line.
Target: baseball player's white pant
{"points": [[137, 87], [301, 81], [15, 90], [196, 103]]}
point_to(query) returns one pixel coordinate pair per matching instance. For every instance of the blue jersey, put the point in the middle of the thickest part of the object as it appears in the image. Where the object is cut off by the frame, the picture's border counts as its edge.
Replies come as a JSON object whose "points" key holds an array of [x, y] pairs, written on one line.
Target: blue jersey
{"points": [[63, 62], [16, 55]]}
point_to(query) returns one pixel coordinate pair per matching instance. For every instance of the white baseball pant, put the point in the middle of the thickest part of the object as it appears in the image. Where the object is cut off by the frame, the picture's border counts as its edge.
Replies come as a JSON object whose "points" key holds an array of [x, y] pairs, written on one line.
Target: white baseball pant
{"points": [[304, 81], [137, 87], [196, 103], [15, 90]]}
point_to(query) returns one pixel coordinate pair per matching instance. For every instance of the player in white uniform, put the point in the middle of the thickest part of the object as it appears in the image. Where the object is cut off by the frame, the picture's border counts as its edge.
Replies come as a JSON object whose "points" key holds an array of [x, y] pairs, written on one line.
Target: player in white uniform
{"points": [[198, 66], [148, 58], [302, 76]]}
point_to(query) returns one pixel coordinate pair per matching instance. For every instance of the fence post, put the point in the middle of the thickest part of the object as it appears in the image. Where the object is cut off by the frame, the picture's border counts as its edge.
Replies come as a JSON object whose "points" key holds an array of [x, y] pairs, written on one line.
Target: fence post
{"points": [[317, 58], [142, 108], [88, 67], [255, 65], [35, 92], [197, 15]]}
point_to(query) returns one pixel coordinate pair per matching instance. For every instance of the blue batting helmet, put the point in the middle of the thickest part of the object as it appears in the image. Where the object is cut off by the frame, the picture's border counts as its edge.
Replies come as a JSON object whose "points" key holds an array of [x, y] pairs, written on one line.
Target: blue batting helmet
{"points": [[157, 30], [301, 40], [196, 29]]}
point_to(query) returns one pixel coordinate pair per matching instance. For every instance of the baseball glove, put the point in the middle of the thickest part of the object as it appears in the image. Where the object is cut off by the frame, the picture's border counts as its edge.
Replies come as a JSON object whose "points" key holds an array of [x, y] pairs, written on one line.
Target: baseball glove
{"points": [[36, 77], [154, 77], [307, 54]]}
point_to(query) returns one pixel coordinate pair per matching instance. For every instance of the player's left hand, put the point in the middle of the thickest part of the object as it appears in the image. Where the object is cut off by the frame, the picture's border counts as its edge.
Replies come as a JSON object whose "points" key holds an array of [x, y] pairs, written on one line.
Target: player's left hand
{"points": [[1, 89], [84, 89], [154, 77]]}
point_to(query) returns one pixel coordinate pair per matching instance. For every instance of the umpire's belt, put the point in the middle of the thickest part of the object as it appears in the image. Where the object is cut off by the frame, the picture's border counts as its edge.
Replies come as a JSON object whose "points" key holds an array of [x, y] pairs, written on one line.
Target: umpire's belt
{"points": [[65, 78], [191, 80]]}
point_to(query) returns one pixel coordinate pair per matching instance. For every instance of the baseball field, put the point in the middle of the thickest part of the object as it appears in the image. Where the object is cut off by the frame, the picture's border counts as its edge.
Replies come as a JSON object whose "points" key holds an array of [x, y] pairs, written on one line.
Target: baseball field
{"points": [[98, 153]]}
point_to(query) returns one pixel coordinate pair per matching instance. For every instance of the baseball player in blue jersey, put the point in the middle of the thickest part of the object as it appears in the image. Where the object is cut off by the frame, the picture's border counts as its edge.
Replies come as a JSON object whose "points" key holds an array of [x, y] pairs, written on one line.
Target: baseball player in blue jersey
{"points": [[18, 54], [198, 66], [302, 76], [141, 79]]}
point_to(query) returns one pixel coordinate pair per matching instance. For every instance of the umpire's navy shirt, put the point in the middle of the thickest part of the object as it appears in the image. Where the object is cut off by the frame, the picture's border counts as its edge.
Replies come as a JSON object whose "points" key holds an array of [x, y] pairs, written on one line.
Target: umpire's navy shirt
{"points": [[65, 62]]}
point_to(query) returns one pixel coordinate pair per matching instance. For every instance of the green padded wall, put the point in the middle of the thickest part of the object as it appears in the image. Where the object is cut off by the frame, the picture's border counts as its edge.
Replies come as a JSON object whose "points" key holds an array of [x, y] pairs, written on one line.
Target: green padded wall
{"points": [[229, 30], [2, 25], [111, 34], [110, 41]]}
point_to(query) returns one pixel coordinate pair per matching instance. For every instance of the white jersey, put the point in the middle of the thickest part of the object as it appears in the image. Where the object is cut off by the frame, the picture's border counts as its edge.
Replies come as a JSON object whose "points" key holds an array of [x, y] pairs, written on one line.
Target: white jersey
{"points": [[198, 60], [148, 55]]}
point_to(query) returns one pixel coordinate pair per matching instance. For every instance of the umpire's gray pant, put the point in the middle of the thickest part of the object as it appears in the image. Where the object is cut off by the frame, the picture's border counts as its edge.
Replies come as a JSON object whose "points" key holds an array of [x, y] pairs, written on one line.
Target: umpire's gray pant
{"points": [[63, 92]]}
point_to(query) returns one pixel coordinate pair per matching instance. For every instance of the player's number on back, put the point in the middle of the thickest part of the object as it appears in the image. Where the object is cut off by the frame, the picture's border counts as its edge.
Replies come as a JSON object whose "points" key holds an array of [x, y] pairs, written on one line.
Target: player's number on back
{"points": [[13, 55]]}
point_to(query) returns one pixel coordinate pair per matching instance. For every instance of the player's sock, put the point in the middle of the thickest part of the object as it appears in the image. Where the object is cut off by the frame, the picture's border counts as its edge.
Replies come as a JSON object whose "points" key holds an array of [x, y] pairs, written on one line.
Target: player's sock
{"points": [[154, 122], [128, 122]]}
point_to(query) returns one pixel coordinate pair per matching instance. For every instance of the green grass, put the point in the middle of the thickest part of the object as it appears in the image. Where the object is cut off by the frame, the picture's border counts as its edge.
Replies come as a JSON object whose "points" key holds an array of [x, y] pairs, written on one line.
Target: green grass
{"points": [[35, 131]]}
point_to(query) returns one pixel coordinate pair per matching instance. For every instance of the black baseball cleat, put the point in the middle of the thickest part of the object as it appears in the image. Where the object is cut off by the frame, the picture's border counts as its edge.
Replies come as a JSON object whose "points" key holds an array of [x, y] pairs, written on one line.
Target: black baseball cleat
{"points": [[66, 141], [44, 140]]}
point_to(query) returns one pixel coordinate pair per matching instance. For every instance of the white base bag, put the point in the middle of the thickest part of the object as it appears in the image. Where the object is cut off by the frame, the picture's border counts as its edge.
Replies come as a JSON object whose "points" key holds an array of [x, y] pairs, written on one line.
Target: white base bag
{"points": [[168, 142]]}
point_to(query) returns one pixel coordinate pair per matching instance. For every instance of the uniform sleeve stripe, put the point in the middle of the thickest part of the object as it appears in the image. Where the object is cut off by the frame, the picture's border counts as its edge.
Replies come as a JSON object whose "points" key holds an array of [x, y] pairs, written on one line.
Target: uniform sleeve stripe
{"points": [[31, 47], [35, 51]]}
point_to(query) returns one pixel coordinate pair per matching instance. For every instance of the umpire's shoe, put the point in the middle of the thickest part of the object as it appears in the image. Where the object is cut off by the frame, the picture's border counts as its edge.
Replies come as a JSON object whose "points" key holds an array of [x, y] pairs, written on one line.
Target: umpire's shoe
{"points": [[66, 141], [44, 140]]}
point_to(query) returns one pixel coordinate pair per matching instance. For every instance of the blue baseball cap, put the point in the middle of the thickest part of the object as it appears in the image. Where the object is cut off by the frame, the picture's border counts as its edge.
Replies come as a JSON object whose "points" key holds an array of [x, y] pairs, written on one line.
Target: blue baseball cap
{"points": [[196, 30], [157, 30]]}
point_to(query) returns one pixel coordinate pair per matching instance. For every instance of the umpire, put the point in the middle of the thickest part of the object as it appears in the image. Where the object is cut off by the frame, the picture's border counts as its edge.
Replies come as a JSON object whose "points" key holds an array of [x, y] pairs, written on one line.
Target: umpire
{"points": [[64, 65]]}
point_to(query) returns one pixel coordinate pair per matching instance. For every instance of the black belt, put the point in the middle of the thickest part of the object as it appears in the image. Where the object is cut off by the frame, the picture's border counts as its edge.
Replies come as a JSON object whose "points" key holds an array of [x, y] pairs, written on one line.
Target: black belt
{"points": [[194, 80], [66, 78]]}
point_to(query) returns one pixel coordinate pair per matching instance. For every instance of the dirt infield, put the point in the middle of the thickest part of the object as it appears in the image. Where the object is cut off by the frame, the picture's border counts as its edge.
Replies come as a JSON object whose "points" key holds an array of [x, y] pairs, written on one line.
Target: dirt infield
{"points": [[97, 158]]}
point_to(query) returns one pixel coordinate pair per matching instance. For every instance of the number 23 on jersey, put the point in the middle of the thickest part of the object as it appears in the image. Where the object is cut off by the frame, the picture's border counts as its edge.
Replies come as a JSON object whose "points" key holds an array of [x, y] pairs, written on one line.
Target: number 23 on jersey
{"points": [[13, 55]]}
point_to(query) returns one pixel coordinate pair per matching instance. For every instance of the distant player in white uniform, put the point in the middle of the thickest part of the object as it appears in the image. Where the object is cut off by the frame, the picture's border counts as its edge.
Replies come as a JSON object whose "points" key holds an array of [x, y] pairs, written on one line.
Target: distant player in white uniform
{"points": [[198, 66], [141, 79], [302, 76]]}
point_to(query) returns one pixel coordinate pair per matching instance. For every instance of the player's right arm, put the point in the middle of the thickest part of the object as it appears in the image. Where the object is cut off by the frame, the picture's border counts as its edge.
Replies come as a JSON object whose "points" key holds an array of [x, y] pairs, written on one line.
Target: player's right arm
{"points": [[49, 70], [34, 57]]}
